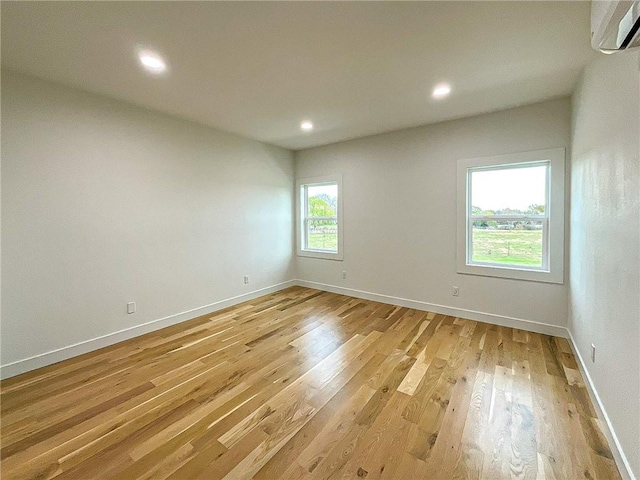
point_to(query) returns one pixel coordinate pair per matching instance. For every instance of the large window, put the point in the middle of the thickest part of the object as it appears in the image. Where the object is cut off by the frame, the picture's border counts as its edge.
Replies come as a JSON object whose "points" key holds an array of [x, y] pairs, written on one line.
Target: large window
{"points": [[319, 225], [511, 216]]}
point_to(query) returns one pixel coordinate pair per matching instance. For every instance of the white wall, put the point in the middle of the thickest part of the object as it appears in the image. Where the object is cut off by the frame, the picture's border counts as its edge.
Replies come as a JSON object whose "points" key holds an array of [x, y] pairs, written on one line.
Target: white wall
{"points": [[399, 195], [104, 203], [605, 239]]}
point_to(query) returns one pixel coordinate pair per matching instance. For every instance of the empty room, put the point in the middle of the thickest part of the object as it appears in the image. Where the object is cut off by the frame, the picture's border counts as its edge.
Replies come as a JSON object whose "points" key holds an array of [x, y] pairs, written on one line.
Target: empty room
{"points": [[320, 240]]}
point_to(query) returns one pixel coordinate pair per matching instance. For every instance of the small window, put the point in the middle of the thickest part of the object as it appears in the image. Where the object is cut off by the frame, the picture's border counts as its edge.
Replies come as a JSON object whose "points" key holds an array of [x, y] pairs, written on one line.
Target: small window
{"points": [[320, 226], [512, 219]]}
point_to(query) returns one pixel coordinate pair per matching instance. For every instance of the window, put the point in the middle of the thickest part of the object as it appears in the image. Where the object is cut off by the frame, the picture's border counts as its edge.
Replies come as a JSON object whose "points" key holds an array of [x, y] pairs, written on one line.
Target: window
{"points": [[320, 218], [511, 216]]}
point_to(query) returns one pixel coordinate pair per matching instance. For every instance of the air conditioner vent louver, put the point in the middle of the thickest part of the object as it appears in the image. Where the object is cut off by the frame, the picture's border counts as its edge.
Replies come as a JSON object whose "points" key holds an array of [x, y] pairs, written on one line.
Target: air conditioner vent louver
{"points": [[615, 25]]}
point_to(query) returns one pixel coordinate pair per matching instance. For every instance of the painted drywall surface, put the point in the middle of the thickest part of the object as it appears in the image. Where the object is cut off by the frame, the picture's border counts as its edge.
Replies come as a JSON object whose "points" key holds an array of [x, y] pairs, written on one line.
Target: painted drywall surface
{"points": [[104, 203], [604, 294], [399, 193]]}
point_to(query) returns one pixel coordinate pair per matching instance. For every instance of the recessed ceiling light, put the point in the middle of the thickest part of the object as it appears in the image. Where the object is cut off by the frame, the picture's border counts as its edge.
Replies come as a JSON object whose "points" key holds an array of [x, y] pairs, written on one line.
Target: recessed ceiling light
{"points": [[441, 90], [306, 126], [152, 62]]}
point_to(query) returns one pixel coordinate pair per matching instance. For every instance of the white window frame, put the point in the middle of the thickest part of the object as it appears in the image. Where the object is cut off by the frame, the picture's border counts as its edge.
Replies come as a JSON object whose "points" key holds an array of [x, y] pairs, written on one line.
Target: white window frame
{"points": [[552, 269], [301, 219]]}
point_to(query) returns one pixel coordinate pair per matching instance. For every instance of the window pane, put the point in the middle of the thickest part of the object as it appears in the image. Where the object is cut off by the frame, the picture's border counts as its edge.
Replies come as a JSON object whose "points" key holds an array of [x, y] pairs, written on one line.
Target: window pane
{"points": [[509, 191], [508, 243], [322, 200], [322, 235]]}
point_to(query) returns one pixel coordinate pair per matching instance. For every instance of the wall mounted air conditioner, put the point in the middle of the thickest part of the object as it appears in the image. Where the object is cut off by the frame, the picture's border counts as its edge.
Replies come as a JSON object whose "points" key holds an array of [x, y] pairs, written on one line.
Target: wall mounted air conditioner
{"points": [[615, 25]]}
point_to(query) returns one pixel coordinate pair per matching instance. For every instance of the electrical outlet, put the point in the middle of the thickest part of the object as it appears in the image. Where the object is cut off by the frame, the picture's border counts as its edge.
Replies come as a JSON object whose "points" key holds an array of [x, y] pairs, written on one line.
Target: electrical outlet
{"points": [[455, 291], [131, 307], [593, 353], [344, 274], [246, 279]]}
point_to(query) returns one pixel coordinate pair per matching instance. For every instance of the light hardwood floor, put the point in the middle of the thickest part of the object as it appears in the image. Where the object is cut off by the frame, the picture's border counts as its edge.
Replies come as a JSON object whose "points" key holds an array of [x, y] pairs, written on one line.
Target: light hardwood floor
{"points": [[308, 384]]}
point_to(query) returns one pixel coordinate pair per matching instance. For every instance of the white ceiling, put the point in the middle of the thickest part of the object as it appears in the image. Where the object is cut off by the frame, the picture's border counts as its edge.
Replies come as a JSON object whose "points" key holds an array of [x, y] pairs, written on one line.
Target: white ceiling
{"points": [[260, 68]]}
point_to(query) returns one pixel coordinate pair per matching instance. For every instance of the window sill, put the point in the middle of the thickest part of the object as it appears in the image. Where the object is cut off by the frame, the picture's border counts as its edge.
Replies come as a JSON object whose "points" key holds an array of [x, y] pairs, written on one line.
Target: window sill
{"points": [[512, 273], [320, 254]]}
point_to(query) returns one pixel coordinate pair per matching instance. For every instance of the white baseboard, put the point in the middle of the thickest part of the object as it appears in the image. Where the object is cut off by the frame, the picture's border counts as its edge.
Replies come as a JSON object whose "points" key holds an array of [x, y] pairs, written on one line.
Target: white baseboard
{"points": [[609, 432], [501, 320], [54, 356]]}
